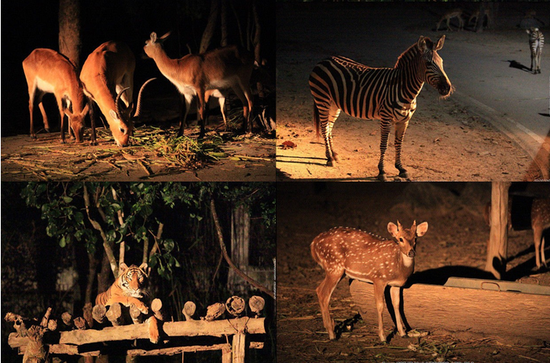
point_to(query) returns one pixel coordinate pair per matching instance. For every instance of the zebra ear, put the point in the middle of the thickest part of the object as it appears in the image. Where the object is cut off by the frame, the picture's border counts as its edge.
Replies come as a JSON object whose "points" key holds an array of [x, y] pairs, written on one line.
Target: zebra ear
{"points": [[440, 43], [421, 44]]}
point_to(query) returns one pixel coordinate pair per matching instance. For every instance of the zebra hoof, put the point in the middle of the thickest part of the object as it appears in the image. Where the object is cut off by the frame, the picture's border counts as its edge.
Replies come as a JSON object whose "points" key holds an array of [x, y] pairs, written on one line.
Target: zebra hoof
{"points": [[404, 175], [330, 162], [382, 177]]}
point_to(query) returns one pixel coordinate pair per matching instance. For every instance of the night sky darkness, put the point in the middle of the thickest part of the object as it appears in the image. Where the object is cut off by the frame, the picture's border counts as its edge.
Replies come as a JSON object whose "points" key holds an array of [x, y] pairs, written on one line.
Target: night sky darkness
{"points": [[31, 24]]}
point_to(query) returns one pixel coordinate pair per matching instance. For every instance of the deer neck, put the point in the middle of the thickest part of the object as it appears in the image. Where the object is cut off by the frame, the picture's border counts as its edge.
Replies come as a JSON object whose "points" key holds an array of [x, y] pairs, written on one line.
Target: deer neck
{"points": [[406, 263]]}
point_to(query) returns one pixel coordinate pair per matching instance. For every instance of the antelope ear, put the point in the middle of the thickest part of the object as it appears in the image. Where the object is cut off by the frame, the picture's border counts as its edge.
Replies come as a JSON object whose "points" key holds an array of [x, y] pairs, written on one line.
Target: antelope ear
{"points": [[392, 228], [153, 37], [440, 42], [421, 229]]}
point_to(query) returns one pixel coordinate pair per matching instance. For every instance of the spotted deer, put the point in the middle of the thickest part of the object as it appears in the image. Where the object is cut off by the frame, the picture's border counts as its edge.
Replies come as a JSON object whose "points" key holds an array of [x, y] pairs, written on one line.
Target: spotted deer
{"points": [[453, 13], [540, 220], [365, 257]]}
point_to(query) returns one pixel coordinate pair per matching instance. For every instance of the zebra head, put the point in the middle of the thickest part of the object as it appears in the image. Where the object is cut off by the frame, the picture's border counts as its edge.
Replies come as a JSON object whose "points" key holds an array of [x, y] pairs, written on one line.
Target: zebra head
{"points": [[435, 75]]}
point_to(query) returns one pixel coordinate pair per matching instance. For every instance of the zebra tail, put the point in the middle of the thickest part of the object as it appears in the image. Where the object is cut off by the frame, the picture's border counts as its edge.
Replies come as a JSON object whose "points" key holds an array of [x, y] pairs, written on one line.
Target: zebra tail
{"points": [[316, 118]]}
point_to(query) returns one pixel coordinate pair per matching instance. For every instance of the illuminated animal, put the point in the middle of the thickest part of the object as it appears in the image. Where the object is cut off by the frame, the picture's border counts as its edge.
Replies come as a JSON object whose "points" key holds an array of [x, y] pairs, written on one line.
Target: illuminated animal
{"points": [[130, 288]]}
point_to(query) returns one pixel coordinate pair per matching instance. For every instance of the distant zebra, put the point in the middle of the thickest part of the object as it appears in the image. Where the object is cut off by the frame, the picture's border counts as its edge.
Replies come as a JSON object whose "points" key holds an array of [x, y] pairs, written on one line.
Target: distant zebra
{"points": [[387, 94], [536, 42]]}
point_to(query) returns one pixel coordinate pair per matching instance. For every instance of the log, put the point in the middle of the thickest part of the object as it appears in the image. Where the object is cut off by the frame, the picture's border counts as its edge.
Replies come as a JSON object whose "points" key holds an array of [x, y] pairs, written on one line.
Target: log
{"points": [[257, 304], [492, 313], [156, 306], [135, 314], [235, 305], [239, 347], [216, 328], [52, 325], [114, 314], [98, 312], [45, 318], [80, 323], [189, 310], [67, 319]]}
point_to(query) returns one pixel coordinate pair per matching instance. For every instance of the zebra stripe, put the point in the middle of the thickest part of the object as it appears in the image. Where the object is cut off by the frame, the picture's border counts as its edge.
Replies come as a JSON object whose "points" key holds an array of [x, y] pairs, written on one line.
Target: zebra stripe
{"points": [[388, 94], [536, 42]]}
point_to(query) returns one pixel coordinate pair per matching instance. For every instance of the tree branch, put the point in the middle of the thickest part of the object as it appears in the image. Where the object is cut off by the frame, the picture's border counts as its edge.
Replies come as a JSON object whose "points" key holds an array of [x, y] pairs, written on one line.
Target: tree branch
{"points": [[228, 259], [106, 245]]}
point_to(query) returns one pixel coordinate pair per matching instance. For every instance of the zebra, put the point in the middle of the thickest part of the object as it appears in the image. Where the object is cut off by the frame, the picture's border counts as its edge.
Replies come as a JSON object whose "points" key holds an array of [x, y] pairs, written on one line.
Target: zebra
{"points": [[388, 94], [536, 42]]}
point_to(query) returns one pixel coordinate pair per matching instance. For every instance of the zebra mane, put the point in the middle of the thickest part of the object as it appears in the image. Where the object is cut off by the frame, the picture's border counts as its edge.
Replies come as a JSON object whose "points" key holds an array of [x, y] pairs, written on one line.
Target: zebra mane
{"points": [[407, 55]]}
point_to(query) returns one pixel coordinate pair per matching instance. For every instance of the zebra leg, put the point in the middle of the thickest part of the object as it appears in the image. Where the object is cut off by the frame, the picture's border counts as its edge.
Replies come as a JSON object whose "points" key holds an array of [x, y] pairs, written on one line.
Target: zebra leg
{"points": [[384, 133], [327, 123], [400, 129]]}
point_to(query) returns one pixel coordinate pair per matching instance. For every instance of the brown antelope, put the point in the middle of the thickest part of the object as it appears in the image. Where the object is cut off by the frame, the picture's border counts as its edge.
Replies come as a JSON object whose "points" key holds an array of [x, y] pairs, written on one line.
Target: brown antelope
{"points": [[365, 257], [108, 76], [48, 71], [540, 221], [213, 73], [476, 15], [453, 13]]}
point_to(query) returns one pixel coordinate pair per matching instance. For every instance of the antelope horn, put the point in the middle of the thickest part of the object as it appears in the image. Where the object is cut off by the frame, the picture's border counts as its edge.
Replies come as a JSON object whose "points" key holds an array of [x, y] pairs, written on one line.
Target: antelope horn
{"points": [[138, 107], [117, 104]]}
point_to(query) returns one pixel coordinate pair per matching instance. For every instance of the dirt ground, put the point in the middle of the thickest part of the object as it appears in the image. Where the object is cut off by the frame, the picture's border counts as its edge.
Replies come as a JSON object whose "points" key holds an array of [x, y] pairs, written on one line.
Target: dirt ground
{"points": [[457, 236], [447, 140], [232, 157]]}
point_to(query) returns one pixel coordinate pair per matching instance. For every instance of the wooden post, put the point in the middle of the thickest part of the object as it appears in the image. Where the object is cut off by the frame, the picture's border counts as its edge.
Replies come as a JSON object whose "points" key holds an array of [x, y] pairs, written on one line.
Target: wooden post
{"points": [[239, 347], [226, 354], [498, 239]]}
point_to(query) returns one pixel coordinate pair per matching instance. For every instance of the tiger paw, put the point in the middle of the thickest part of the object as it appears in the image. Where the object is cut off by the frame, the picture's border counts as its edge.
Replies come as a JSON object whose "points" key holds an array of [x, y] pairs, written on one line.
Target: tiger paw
{"points": [[154, 334]]}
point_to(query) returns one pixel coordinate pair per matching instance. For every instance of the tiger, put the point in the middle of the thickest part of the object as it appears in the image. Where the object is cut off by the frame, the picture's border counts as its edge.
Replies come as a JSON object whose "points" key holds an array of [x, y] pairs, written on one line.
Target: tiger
{"points": [[130, 288]]}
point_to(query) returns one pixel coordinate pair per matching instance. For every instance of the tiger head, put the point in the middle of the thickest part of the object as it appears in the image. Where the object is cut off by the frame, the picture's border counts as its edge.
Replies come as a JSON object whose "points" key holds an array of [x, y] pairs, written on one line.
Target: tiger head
{"points": [[133, 279]]}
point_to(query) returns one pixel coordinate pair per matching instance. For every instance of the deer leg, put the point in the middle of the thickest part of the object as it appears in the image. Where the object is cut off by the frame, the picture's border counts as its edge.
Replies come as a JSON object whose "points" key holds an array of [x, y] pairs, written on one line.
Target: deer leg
{"points": [[92, 122], [221, 101], [324, 292], [537, 235], [187, 100], [62, 118], [380, 302], [395, 292], [400, 129], [384, 133], [542, 255], [201, 110], [244, 94]]}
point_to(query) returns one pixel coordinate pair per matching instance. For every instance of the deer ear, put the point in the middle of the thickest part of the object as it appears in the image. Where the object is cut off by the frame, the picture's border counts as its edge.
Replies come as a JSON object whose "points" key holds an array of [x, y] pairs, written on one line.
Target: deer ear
{"points": [[421, 229], [392, 228], [440, 42]]}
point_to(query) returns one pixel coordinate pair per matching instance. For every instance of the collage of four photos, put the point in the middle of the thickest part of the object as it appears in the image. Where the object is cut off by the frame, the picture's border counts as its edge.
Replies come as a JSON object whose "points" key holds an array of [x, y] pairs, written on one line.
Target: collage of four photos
{"points": [[275, 181]]}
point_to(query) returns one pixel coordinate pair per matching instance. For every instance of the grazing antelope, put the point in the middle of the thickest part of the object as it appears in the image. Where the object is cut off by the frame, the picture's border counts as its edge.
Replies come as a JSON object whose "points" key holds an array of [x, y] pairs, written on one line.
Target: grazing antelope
{"points": [[365, 257], [108, 77], [536, 43], [48, 71], [453, 13], [387, 94], [213, 73]]}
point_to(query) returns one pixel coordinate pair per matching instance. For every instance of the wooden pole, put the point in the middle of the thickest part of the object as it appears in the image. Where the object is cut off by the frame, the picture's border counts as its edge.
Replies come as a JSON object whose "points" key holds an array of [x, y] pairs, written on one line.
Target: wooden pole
{"points": [[239, 346], [498, 239]]}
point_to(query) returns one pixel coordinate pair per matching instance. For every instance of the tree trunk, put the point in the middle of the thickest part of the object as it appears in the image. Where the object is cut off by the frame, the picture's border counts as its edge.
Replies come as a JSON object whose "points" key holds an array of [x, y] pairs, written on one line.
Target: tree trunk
{"points": [[69, 30], [210, 26], [498, 239], [257, 34], [224, 41], [240, 240]]}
